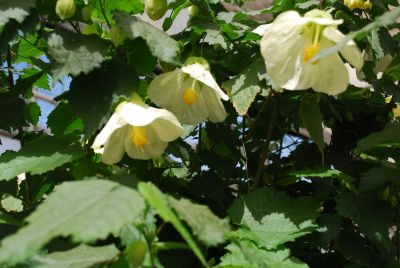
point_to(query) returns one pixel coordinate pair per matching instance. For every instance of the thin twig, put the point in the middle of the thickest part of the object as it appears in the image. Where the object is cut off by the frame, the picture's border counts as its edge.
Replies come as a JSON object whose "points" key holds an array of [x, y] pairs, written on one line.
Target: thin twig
{"points": [[9, 66], [266, 148], [104, 13], [321, 4]]}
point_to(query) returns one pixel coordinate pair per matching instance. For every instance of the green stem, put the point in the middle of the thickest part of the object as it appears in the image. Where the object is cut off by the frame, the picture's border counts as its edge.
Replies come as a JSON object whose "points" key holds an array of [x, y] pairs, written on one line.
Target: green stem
{"points": [[102, 5]]}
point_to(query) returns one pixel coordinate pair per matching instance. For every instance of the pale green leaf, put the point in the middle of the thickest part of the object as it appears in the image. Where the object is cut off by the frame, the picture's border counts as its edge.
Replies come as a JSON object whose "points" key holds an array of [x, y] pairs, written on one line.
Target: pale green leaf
{"points": [[86, 210], [244, 87], [247, 255], [161, 204], [161, 45], [208, 228], [15, 9], [38, 156], [81, 256], [312, 119], [75, 53], [271, 218]]}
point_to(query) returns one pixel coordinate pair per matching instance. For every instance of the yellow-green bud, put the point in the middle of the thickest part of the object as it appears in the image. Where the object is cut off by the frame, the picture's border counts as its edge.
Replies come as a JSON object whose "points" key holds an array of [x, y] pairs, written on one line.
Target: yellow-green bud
{"points": [[193, 11], [117, 35], [360, 4], [199, 60], [65, 8], [156, 9]]}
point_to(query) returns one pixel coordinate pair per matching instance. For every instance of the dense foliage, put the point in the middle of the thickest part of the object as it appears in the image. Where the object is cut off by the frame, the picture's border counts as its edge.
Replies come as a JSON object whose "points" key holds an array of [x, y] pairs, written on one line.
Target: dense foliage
{"points": [[290, 178]]}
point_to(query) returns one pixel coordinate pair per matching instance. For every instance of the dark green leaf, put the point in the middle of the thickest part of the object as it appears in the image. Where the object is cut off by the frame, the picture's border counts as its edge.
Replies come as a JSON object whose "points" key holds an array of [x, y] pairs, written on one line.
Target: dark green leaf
{"points": [[390, 135]]}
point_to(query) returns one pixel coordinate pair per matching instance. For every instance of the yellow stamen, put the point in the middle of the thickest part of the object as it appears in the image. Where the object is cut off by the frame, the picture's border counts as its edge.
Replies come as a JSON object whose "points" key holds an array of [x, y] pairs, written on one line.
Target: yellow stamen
{"points": [[310, 51], [139, 137], [189, 96]]}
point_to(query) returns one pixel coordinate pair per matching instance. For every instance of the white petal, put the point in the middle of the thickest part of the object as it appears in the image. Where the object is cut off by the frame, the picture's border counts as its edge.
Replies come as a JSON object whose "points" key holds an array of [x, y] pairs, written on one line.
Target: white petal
{"points": [[113, 123], [164, 88], [331, 75], [137, 114], [191, 114], [282, 48], [200, 73], [154, 148], [216, 110], [290, 15], [350, 52], [114, 147], [167, 128], [260, 30]]}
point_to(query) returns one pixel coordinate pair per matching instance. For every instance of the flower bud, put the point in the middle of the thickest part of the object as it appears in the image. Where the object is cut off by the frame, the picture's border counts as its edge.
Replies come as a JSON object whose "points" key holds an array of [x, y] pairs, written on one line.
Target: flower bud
{"points": [[199, 60], [65, 8], [86, 13], [361, 4], [193, 11], [156, 9]]}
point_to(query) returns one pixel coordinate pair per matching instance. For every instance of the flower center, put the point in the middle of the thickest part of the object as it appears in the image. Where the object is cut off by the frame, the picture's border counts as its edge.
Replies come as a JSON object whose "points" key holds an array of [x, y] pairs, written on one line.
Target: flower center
{"points": [[190, 94], [139, 137], [310, 51]]}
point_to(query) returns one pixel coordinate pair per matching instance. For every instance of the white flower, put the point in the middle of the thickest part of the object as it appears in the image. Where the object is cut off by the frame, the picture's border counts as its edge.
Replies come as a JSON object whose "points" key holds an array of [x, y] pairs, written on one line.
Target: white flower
{"points": [[191, 93], [291, 41], [143, 132]]}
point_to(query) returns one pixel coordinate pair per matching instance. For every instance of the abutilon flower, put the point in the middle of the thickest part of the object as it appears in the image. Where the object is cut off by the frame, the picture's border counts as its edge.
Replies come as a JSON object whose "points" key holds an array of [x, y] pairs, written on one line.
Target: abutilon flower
{"points": [[143, 132], [360, 4], [291, 41], [190, 92]]}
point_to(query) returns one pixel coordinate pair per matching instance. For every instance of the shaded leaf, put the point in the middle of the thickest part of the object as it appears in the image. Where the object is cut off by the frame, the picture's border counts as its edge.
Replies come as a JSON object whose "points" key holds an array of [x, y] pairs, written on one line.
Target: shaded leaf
{"points": [[15, 9], [38, 156], [81, 256], [372, 216], [161, 204], [86, 210], [247, 255], [209, 229], [271, 218], [75, 53], [376, 177], [161, 45], [244, 87], [312, 119], [388, 136]]}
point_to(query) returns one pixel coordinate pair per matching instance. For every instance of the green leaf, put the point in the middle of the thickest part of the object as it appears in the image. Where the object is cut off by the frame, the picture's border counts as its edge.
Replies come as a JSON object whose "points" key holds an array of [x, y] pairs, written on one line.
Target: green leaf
{"points": [[27, 49], [92, 95], [32, 113], [75, 53], [63, 120], [86, 210], [208, 228], [81, 256], [130, 6], [161, 45], [270, 218], [374, 40], [11, 112], [244, 87], [372, 216], [390, 135], [384, 20], [247, 255], [312, 119], [38, 156], [15, 9], [7, 219], [377, 177], [161, 204]]}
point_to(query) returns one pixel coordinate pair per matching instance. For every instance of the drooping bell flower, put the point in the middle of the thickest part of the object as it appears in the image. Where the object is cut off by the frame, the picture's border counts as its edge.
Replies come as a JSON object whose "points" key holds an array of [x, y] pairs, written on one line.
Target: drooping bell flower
{"points": [[291, 41], [190, 92], [143, 132]]}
